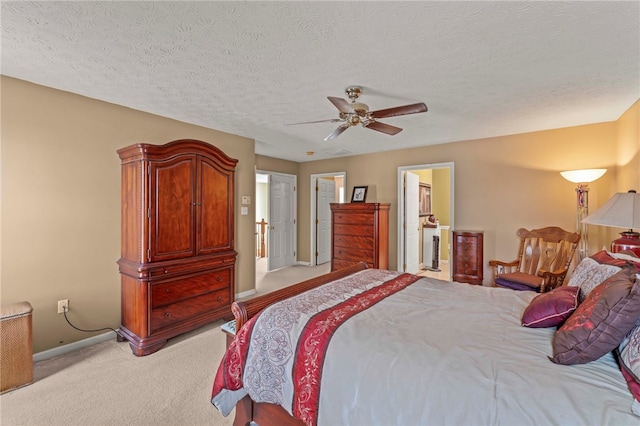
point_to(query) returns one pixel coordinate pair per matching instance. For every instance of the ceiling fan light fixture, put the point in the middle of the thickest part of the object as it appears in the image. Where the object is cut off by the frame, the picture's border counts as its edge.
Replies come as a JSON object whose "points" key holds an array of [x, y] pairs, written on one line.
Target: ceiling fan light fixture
{"points": [[355, 113], [360, 108]]}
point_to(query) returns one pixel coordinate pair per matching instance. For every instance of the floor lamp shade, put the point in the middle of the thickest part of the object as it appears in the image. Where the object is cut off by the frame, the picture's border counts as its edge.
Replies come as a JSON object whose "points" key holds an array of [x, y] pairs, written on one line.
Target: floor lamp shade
{"points": [[582, 177], [621, 211]]}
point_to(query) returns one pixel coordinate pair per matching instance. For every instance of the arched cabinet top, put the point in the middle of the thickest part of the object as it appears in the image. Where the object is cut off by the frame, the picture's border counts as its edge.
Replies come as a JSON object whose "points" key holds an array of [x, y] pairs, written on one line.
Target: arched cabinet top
{"points": [[145, 151]]}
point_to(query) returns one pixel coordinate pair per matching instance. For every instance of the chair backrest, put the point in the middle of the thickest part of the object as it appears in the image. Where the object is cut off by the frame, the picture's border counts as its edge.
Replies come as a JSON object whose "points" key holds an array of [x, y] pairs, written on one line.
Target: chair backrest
{"points": [[549, 249]]}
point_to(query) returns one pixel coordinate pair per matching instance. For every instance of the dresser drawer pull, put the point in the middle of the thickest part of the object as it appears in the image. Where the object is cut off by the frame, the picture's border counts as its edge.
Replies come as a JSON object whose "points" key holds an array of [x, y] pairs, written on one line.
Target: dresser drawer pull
{"points": [[219, 278], [166, 271], [166, 290], [219, 298], [167, 314]]}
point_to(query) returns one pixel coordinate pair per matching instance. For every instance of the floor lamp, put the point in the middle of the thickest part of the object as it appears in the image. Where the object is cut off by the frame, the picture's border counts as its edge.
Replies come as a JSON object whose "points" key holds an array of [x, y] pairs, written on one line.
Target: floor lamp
{"points": [[582, 178]]}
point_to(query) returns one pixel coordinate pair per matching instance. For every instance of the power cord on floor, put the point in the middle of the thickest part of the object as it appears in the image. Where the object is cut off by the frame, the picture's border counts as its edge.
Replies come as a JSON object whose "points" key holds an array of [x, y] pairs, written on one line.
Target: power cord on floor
{"points": [[64, 311]]}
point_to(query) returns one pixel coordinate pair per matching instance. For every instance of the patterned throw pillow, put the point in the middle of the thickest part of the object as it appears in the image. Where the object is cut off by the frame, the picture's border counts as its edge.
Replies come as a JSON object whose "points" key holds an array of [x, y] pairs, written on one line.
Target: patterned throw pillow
{"points": [[601, 322], [629, 356], [552, 308], [592, 271]]}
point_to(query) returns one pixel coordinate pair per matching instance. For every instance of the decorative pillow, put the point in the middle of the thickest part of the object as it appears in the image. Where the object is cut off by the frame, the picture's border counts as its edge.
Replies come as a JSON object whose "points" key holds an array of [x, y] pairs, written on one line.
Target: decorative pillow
{"points": [[601, 322], [628, 354], [519, 281], [593, 270], [552, 308], [626, 256]]}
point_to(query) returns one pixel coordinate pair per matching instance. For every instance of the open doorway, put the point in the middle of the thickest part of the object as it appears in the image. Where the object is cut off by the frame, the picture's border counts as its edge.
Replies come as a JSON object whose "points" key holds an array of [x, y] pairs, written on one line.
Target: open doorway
{"points": [[424, 241], [326, 188], [275, 230]]}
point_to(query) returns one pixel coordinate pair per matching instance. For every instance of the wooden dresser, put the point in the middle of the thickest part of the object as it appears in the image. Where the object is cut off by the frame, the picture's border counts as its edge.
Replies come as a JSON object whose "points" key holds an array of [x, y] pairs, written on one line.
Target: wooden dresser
{"points": [[467, 257], [360, 233], [177, 260]]}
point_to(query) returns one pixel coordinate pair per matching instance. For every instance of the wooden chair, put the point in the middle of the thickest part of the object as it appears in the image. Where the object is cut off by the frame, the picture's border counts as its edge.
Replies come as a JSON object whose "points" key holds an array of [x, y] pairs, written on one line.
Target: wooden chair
{"points": [[543, 260]]}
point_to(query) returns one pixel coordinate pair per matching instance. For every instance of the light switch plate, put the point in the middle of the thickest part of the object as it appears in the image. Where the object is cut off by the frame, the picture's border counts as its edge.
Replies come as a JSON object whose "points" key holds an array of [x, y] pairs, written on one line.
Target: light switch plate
{"points": [[244, 211], [246, 199]]}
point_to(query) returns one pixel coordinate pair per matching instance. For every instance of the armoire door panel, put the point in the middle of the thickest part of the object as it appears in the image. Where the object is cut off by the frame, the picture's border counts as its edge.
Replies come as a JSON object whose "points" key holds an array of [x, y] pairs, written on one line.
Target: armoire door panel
{"points": [[214, 220], [172, 201]]}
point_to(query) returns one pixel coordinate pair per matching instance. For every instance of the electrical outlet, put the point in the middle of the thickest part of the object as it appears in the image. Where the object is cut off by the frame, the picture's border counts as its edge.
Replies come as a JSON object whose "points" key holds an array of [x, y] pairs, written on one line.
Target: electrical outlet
{"points": [[63, 306]]}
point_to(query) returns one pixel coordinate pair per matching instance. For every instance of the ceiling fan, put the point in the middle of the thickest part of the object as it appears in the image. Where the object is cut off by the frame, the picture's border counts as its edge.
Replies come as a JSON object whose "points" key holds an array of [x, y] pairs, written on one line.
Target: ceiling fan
{"points": [[355, 113]]}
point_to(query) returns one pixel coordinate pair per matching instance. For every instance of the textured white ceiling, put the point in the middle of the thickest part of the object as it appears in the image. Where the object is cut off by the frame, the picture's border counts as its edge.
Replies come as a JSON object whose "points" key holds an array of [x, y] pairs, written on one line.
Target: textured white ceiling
{"points": [[249, 68]]}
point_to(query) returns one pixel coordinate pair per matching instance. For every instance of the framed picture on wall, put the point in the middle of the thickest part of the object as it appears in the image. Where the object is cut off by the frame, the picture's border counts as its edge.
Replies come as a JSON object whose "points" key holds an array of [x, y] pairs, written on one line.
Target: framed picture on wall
{"points": [[359, 194], [425, 199]]}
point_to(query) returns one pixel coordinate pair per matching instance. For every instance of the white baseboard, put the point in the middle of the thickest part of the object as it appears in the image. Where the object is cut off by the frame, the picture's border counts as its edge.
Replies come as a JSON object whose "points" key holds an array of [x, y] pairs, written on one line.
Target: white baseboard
{"points": [[299, 262], [245, 294], [50, 353]]}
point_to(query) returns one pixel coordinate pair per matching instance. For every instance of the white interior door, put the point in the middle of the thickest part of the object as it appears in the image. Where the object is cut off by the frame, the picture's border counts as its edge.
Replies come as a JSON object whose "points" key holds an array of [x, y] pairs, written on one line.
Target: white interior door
{"points": [[325, 194], [411, 220], [282, 221]]}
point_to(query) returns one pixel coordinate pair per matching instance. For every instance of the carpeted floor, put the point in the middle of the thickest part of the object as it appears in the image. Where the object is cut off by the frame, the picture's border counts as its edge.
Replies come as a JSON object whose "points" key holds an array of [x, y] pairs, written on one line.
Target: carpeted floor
{"points": [[105, 384]]}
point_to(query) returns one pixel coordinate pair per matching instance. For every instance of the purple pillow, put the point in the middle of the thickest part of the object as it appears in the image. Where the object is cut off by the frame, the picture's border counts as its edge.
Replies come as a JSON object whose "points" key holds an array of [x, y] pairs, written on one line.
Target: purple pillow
{"points": [[601, 322], [552, 308]]}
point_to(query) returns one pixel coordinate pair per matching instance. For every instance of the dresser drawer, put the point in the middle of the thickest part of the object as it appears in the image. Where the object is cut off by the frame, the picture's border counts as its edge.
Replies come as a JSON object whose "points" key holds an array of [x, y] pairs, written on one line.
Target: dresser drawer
{"points": [[174, 313], [341, 264], [353, 254], [353, 241], [361, 230], [356, 218], [174, 291]]}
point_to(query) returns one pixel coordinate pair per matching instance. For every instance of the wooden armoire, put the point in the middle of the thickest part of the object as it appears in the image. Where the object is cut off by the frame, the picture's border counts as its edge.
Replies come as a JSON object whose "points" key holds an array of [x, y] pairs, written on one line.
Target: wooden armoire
{"points": [[177, 261], [359, 233]]}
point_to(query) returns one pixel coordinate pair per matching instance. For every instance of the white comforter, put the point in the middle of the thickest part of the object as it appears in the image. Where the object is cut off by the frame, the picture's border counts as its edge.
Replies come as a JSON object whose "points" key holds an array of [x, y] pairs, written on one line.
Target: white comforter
{"points": [[439, 353]]}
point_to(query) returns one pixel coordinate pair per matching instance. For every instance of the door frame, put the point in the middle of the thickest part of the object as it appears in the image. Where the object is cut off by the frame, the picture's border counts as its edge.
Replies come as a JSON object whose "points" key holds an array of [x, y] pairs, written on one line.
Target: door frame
{"points": [[312, 212], [401, 202]]}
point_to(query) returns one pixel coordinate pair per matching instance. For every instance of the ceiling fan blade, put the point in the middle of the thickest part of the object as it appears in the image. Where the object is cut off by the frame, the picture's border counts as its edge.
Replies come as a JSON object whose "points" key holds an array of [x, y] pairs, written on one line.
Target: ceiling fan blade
{"points": [[337, 132], [401, 110], [381, 127], [342, 104], [331, 120]]}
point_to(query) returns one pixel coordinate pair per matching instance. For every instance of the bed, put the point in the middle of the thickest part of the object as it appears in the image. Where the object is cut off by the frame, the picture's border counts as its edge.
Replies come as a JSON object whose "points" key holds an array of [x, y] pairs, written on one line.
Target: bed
{"points": [[365, 346]]}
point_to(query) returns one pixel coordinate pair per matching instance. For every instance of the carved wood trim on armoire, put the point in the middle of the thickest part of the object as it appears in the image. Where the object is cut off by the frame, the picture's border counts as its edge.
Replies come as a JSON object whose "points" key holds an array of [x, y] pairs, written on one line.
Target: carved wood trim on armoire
{"points": [[359, 233], [177, 261]]}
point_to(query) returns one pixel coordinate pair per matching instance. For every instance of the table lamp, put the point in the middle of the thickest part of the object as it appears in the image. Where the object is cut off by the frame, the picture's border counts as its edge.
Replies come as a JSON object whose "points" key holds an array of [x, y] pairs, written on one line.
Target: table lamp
{"points": [[621, 211]]}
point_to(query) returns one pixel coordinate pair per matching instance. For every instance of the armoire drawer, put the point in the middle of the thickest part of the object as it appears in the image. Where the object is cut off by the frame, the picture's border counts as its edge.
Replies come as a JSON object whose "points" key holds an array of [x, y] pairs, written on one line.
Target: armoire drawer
{"points": [[180, 289], [170, 314]]}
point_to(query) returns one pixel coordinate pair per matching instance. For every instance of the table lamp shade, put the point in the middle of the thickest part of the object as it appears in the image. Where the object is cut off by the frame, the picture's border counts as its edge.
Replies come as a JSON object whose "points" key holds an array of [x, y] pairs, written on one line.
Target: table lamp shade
{"points": [[621, 211]]}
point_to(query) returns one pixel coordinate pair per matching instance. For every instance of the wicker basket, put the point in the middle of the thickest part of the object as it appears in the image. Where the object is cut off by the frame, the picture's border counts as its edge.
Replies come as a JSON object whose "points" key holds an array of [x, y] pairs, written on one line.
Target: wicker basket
{"points": [[16, 346]]}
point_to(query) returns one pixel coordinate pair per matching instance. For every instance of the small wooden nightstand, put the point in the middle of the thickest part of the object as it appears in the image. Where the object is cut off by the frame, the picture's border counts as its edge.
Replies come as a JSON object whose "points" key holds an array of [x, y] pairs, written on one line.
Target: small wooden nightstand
{"points": [[467, 257], [229, 328]]}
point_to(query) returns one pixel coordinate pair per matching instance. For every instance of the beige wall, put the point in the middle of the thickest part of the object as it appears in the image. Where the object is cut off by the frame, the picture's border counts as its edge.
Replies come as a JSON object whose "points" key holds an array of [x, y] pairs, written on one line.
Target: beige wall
{"points": [[502, 183], [61, 193], [61, 203]]}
